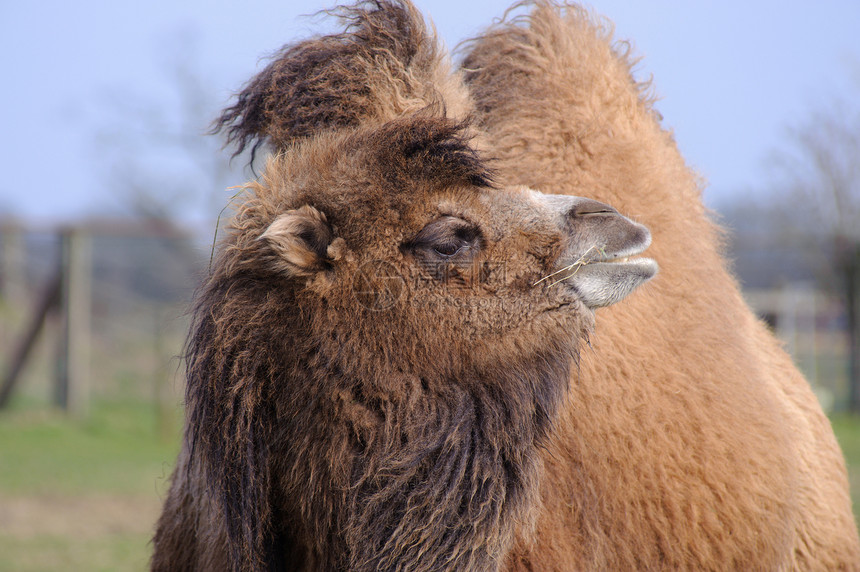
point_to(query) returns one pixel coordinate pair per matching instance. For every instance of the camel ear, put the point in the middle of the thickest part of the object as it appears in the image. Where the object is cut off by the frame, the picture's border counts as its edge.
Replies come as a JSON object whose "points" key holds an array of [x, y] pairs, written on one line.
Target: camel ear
{"points": [[300, 239]]}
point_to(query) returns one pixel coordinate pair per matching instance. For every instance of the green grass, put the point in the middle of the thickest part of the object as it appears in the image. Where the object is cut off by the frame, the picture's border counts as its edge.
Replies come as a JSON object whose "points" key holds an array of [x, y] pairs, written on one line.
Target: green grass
{"points": [[82, 495], [109, 553], [116, 450]]}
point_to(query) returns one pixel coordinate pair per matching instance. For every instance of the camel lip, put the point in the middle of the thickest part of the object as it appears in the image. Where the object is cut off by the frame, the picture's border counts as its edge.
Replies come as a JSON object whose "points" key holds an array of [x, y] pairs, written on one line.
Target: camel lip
{"points": [[643, 267], [598, 255], [647, 268], [600, 284], [621, 262], [622, 255]]}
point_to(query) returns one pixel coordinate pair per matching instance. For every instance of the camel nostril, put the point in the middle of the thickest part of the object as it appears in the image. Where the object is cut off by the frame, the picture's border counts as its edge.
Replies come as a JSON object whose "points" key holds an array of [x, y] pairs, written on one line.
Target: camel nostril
{"points": [[585, 207]]}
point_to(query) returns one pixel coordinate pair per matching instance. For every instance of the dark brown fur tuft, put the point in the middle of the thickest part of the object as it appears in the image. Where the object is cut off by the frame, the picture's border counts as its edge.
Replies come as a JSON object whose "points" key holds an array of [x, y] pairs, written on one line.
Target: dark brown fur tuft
{"points": [[432, 149], [373, 70], [228, 397]]}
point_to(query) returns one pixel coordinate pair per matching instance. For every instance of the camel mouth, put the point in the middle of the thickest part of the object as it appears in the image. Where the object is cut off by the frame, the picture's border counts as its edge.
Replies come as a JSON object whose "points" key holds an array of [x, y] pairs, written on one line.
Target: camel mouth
{"points": [[600, 278], [606, 280]]}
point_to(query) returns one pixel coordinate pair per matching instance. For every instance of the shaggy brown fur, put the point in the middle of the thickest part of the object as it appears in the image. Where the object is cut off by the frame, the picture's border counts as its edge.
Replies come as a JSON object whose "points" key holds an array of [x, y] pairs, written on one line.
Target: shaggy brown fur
{"points": [[329, 430], [689, 440]]}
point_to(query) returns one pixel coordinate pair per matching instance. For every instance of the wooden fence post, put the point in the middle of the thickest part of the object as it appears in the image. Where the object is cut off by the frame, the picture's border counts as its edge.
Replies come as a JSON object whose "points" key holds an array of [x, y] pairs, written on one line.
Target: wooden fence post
{"points": [[73, 376], [49, 301]]}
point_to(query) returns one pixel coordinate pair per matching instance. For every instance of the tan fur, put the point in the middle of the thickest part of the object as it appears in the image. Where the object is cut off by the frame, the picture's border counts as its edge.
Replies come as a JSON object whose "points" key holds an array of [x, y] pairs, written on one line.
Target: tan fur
{"points": [[688, 439]]}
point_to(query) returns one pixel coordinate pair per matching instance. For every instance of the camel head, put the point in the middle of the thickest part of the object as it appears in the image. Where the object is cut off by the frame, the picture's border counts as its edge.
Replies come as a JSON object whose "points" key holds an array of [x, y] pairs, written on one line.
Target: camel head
{"points": [[384, 230]]}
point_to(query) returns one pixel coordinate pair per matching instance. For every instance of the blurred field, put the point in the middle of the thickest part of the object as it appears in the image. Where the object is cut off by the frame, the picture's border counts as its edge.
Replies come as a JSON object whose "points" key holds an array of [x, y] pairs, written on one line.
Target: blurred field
{"points": [[82, 495], [83, 492], [85, 495]]}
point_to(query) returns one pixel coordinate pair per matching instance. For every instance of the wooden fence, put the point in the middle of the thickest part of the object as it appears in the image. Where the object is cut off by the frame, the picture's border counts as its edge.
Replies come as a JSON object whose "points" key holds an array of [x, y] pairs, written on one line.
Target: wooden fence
{"points": [[61, 298]]}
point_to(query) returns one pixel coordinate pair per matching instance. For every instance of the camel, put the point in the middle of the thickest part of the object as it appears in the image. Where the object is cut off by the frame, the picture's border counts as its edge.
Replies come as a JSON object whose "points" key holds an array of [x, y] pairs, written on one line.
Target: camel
{"points": [[381, 348], [420, 347]]}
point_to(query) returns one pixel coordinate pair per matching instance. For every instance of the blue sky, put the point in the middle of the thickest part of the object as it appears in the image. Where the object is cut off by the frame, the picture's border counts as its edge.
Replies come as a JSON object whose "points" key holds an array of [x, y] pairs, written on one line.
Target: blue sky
{"points": [[731, 77]]}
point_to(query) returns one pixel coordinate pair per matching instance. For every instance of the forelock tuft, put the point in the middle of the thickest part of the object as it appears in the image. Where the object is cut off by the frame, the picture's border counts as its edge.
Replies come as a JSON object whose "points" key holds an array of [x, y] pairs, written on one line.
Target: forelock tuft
{"points": [[430, 149], [378, 68]]}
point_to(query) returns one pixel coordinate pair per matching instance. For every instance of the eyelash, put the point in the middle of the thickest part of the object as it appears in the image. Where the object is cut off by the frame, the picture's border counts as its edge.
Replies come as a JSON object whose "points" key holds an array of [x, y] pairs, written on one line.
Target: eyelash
{"points": [[451, 249]]}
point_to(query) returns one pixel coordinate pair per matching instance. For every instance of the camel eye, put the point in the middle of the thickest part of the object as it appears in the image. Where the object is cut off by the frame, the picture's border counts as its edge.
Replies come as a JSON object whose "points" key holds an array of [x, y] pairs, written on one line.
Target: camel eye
{"points": [[449, 249], [446, 238]]}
